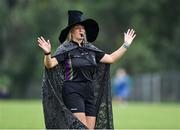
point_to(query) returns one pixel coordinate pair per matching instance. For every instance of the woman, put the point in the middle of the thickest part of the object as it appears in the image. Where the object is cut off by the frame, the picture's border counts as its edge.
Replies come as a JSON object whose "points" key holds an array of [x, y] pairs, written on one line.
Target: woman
{"points": [[79, 60]]}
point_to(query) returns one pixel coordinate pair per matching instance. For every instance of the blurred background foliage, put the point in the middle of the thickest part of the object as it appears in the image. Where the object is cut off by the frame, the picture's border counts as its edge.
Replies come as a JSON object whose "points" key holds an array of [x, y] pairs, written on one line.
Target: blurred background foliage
{"points": [[155, 49]]}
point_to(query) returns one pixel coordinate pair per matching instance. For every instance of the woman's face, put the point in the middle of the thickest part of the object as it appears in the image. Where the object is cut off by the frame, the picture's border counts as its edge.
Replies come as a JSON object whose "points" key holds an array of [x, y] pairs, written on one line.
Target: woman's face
{"points": [[78, 32]]}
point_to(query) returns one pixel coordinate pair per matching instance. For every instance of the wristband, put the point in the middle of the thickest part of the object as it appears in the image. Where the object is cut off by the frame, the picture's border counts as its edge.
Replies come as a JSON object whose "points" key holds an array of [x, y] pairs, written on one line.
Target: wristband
{"points": [[47, 53], [126, 45]]}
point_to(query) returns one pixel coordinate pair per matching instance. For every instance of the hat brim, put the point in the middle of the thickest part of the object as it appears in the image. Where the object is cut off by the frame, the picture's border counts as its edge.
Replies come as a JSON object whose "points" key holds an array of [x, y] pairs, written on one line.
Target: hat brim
{"points": [[90, 25]]}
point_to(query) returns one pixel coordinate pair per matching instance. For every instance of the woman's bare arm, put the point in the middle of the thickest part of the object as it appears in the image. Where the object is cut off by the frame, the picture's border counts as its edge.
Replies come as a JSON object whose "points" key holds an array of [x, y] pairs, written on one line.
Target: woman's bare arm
{"points": [[128, 38], [46, 46], [50, 62]]}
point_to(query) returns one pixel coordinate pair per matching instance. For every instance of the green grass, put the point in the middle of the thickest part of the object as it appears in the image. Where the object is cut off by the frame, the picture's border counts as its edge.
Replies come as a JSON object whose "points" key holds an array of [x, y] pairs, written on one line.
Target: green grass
{"points": [[147, 116], [29, 114], [21, 114]]}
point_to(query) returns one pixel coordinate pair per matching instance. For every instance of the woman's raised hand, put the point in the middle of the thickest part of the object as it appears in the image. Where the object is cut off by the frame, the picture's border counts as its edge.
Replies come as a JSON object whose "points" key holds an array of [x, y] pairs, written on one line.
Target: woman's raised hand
{"points": [[45, 45], [129, 36]]}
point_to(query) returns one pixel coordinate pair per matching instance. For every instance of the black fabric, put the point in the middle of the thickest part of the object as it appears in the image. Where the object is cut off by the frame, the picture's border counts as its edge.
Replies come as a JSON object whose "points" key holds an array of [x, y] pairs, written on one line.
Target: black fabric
{"points": [[75, 18], [79, 97], [74, 102], [99, 56], [80, 63], [56, 113], [61, 58]]}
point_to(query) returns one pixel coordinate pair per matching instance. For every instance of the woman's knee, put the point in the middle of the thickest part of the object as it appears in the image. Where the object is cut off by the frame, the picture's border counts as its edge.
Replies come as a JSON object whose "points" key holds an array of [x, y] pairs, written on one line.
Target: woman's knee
{"points": [[91, 120]]}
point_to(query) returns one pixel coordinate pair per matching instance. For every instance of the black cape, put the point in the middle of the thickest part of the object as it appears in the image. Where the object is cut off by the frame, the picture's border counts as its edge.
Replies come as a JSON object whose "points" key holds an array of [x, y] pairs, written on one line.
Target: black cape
{"points": [[56, 115]]}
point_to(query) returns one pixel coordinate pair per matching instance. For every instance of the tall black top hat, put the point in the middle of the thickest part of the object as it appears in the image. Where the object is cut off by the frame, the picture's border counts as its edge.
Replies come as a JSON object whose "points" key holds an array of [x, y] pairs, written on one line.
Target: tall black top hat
{"points": [[75, 17]]}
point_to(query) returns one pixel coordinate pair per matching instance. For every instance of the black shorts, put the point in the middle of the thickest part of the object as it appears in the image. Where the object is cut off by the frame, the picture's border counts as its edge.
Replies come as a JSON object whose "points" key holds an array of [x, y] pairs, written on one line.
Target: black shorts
{"points": [[79, 97]]}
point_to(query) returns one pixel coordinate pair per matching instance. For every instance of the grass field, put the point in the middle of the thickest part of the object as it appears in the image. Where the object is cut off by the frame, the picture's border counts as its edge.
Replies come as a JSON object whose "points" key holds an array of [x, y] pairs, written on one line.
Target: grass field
{"points": [[29, 114]]}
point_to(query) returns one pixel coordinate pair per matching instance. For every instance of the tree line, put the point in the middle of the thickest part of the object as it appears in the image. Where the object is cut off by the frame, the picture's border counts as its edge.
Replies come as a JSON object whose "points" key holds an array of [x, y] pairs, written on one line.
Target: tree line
{"points": [[155, 49]]}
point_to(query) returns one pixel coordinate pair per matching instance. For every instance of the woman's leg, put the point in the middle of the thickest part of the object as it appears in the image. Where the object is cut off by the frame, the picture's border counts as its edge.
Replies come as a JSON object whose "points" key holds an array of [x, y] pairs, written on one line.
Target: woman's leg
{"points": [[81, 116], [91, 120], [88, 121]]}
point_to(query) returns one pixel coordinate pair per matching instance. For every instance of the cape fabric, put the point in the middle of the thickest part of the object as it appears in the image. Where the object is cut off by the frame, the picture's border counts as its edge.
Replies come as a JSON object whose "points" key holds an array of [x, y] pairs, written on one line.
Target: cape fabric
{"points": [[56, 115]]}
